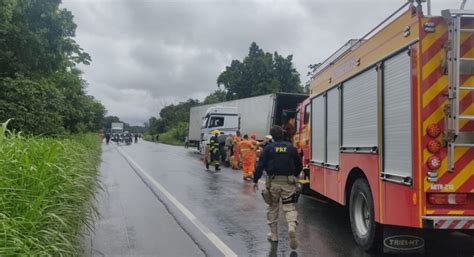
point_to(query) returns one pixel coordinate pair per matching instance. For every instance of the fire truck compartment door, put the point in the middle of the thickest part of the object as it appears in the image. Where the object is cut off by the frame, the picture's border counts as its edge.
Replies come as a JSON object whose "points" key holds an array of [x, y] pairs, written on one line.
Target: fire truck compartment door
{"points": [[397, 116], [332, 133], [359, 110], [318, 129]]}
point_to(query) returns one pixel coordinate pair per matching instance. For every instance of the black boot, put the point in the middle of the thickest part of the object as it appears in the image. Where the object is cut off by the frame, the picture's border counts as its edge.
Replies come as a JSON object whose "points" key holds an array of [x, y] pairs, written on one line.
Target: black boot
{"points": [[217, 167], [207, 166]]}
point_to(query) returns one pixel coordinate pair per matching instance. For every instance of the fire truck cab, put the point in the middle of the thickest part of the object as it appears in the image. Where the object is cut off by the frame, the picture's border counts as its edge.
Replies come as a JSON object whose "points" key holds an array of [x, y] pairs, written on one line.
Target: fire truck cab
{"points": [[389, 129]]}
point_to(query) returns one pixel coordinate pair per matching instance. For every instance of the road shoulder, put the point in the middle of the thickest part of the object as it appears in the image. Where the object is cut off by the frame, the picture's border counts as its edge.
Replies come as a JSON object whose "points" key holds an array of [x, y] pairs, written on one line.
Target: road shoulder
{"points": [[133, 222]]}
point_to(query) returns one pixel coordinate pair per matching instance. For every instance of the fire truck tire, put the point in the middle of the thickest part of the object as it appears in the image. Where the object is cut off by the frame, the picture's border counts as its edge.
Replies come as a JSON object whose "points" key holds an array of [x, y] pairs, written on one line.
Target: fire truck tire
{"points": [[365, 230]]}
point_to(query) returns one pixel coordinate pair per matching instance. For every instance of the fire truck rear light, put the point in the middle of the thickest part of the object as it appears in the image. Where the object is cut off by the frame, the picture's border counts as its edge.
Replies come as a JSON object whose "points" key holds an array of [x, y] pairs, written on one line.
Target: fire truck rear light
{"points": [[434, 146], [434, 162], [452, 199], [433, 130]]}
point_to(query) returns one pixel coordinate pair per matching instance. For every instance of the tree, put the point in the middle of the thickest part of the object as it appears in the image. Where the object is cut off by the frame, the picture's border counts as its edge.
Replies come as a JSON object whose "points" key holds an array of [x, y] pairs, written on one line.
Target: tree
{"points": [[38, 53], [216, 97], [34, 107], [108, 120], [37, 38], [259, 73], [173, 114]]}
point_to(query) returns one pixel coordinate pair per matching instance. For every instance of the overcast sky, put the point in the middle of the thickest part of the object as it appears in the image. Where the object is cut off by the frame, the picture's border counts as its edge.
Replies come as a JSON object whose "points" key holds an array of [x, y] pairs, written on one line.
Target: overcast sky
{"points": [[147, 54]]}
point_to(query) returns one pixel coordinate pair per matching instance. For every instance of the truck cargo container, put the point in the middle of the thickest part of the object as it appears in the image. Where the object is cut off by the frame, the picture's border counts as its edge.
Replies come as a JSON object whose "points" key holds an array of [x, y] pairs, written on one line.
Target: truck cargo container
{"points": [[256, 115]]}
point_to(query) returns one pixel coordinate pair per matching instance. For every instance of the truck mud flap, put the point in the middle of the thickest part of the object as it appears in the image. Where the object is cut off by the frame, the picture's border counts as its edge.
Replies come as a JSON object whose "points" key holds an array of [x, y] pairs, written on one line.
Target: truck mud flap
{"points": [[403, 240]]}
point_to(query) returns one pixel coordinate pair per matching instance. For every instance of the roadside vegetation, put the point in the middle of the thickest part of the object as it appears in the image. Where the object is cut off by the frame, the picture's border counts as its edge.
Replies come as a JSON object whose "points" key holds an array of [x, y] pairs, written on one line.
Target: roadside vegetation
{"points": [[46, 190], [258, 73], [49, 157]]}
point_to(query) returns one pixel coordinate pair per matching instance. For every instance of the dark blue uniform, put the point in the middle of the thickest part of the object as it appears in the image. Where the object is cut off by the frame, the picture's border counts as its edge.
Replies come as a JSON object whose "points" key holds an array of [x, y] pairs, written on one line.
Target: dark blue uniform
{"points": [[279, 158], [283, 164]]}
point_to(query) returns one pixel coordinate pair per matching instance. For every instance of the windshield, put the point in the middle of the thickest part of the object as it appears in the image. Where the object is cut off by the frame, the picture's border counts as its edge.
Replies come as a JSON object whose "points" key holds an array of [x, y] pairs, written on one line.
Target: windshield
{"points": [[216, 122]]}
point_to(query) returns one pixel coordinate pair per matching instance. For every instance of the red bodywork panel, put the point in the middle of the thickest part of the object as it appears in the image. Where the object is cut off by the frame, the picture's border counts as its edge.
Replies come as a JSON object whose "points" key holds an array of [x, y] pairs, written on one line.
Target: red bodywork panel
{"points": [[331, 183]]}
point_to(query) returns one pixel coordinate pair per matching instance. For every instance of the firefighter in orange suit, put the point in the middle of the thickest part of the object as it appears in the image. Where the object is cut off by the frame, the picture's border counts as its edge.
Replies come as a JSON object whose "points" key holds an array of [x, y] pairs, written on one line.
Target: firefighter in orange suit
{"points": [[236, 157], [248, 153], [256, 144]]}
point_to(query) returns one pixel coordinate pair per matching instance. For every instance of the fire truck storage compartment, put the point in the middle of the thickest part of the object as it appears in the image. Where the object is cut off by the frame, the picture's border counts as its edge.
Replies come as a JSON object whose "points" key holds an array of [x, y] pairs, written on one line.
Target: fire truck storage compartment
{"points": [[333, 128], [397, 118], [359, 111], [318, 129]]}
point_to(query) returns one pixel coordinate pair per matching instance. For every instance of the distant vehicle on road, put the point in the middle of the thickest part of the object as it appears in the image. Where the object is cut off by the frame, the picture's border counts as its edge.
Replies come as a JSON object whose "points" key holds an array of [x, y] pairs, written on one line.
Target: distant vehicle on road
{"points": [[116, 127]]}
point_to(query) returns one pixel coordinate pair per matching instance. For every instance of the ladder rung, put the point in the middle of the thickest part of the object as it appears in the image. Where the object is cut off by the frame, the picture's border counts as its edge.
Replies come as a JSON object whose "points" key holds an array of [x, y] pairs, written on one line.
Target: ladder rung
{"points": [[467, 30], [466, 88], [466, 59], [466, 117], [463, 145]]}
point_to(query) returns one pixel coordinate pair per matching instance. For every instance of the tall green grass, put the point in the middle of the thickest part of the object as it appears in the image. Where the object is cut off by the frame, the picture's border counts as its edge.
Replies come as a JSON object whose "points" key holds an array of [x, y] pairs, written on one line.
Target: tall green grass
{"points": [[46, 193]]}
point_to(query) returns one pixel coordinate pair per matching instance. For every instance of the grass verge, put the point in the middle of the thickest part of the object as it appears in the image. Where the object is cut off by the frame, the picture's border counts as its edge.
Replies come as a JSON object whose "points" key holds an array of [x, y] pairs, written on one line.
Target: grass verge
{"points": [[165, 138], [46, 191]]}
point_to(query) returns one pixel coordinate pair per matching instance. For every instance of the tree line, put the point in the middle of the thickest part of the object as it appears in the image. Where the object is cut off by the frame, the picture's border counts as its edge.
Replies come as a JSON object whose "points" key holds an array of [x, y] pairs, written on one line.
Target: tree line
{"points": [[41, 86], [258, 73]]}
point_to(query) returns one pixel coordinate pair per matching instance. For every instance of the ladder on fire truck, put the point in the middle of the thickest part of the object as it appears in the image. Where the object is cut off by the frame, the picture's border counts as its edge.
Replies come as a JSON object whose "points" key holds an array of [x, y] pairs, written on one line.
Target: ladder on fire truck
{"points": [[457, 65]]}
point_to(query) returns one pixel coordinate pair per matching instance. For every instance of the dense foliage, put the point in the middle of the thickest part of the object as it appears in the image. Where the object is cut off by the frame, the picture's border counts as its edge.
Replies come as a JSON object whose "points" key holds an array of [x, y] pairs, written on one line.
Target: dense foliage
{"points": [[45, 193], [42, 89], [258, 74]]}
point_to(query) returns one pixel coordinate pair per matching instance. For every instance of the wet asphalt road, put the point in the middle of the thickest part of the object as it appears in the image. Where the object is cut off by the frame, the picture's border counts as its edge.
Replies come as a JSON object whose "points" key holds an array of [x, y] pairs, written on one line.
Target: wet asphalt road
{"points": [[139, 219]]}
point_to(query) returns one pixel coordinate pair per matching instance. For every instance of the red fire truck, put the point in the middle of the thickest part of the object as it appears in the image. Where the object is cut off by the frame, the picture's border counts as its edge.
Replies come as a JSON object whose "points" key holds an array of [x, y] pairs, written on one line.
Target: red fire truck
{"points": [[389, 129]]}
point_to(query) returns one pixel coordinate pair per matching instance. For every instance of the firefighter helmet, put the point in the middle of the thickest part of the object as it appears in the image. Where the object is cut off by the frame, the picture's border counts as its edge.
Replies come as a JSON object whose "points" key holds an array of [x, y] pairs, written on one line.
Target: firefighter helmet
{"points": [[216, 132]]}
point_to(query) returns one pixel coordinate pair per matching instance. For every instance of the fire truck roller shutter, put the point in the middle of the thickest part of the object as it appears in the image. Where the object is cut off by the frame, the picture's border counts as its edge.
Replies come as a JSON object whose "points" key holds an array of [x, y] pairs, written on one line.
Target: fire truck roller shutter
{"points": [[397, 116], [333, 127], [318, 129], [359, 110]]}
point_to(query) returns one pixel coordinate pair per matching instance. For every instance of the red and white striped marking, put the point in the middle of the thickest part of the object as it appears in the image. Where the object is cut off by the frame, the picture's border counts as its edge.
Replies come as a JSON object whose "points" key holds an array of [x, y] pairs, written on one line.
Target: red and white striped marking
{"points": [[453, 223]]}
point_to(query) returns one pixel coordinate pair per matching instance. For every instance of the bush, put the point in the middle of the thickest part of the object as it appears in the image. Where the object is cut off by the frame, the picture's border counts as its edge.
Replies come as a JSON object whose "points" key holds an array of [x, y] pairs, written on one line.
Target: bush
{"points": [[34, 106], [168, 138], [46, 191]]}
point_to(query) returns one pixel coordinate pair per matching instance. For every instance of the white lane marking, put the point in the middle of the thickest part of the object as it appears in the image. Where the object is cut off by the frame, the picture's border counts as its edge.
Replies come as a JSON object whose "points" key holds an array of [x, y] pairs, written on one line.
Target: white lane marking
{"points": [[201, 227]]}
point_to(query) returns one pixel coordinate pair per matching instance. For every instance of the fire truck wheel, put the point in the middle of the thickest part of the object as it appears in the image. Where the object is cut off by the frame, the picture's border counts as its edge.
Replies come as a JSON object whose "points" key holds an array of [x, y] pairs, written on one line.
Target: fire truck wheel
{"points": [[361, 209]]}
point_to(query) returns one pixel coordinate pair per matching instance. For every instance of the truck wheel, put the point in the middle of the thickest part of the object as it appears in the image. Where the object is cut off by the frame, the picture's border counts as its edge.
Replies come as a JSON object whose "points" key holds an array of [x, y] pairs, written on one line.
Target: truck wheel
{"points": [[361, 208]]}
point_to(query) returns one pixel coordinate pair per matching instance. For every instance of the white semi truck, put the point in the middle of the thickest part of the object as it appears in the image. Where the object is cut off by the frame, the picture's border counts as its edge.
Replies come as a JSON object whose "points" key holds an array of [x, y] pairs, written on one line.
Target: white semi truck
{"points": [[249, 115]]}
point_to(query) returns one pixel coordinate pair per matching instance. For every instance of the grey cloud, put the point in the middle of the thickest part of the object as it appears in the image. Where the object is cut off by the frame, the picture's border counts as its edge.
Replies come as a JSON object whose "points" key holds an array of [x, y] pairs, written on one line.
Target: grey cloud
{"points": [[150, 53]]}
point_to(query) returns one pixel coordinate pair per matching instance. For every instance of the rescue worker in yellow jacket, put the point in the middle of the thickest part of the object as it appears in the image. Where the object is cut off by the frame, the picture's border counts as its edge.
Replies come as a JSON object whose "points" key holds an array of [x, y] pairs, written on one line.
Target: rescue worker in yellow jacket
{"points": [[214, 150]]}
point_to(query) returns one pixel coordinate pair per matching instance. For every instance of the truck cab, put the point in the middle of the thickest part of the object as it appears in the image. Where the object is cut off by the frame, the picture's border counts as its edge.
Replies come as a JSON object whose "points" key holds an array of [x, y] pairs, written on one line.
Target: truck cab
{"points": [[225, 119]]}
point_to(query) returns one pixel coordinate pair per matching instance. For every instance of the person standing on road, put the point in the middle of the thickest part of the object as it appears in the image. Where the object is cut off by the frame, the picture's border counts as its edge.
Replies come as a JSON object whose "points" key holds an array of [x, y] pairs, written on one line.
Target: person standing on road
{"points": [[221, 140], [236, 157], [214, 150], [283, 164], [247, 150], [228, 149], [107, 137]]}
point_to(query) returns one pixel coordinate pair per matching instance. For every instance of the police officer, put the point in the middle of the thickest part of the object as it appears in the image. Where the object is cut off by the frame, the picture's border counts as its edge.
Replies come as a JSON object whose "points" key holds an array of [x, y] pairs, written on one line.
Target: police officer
{"points": [[214, 149], [283, 164]]}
